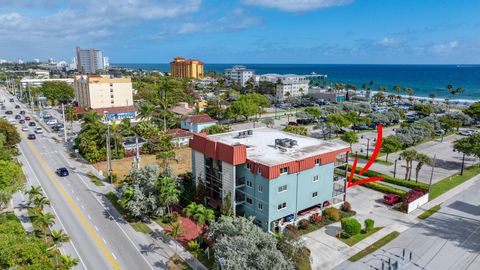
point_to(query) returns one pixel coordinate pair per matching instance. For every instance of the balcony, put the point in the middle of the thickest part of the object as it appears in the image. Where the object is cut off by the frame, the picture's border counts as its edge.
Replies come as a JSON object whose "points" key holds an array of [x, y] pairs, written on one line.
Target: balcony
{"points": [[240, 182], [338, 190], [340, 160], [239, 198], [337, 177]]}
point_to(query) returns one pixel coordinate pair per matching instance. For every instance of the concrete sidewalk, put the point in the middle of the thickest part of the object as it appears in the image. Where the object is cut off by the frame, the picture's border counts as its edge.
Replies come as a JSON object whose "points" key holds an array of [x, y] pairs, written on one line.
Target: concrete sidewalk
{"points": [[19, 204]]}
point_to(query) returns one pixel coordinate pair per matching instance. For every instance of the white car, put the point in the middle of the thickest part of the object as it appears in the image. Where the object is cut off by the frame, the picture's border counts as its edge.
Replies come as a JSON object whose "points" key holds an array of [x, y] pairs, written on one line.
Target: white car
{"points": [[52, 121], [25, 128], [39, 130], [47, 107], [12, 121]]}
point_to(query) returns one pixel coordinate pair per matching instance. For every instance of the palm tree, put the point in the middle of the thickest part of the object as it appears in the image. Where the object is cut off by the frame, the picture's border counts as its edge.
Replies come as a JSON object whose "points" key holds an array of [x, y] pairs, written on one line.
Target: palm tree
{"points": [[69, 262], [34, 192], [70, 115], [421, 159], [169, 192], [44, 221], [166, 157], [397, 89], [145, 110], [40, 201], [409, 156], [91, 117], [59, 236], [175, 232], [432, 97], [204, 216]]}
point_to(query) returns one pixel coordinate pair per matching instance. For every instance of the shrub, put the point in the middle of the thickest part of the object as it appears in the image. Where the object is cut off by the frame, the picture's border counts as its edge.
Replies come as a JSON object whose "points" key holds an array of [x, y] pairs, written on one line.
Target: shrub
{"points": [[369, 224], [347, 207], [316, 219], [303, 224], [332, 213], [193, 246], [292, 229], [412, 195], [385, 189], [351, 226]]}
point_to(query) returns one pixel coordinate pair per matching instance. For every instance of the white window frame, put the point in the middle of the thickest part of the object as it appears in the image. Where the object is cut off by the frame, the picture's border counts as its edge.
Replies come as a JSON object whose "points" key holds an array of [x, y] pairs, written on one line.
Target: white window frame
{"points": [[260, 188], [282, 188], [284, 168], [248, 166], [282, 206], [260, 206], [315, 178], [248, 198], [315, 194], [317, 162], [249, 183], [259, 170]]}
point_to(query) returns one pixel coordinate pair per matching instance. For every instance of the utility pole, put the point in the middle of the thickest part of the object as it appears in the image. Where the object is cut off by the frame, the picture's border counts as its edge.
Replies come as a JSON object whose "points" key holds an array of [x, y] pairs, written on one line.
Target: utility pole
{"points": [[137, 157], [64, 123], [431, 174], [109, 157]]}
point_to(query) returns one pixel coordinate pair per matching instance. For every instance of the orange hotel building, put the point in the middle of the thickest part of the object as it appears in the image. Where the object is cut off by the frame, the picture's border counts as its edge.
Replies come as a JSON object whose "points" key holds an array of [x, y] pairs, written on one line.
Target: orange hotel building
{"points": [[186, 68]]}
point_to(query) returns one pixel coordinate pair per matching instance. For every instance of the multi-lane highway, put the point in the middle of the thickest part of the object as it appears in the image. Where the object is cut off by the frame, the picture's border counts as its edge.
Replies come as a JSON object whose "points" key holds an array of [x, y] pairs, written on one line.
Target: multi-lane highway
{"points": [[100, 238]]}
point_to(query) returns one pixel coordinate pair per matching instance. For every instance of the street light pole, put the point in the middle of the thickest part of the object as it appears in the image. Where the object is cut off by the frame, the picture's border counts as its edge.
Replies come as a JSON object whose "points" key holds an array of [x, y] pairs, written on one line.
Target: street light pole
{"points": [[109, 157], [431, 174], [395, 169], [64, 123], [368, 146]]}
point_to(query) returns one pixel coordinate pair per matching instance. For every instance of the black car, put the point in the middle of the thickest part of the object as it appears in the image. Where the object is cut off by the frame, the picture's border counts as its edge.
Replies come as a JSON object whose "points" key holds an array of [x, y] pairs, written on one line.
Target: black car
{"points": [[62, 171], [32, 124], [31, 136], [22, 112], [17, 106], [360, 127], [12, 100], [18, 116], [8, 112], [21, 121]]}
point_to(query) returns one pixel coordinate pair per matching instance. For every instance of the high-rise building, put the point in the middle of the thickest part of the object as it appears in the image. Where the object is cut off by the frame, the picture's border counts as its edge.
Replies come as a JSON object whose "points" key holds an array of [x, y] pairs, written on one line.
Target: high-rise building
{"points": [[239, 74], [186, 68], [105, 95], [90, 60], [277, 177]]}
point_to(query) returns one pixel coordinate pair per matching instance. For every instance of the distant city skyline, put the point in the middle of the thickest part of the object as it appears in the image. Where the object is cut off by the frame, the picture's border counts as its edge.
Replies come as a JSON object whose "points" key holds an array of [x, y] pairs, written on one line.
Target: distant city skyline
{"points": [[245, 31]]}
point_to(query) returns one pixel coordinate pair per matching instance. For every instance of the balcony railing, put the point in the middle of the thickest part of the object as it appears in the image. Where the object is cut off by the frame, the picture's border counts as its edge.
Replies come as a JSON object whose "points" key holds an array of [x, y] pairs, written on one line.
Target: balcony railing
{"points": [[338, 189], [337, 177], [239, 198], [341, 160]]}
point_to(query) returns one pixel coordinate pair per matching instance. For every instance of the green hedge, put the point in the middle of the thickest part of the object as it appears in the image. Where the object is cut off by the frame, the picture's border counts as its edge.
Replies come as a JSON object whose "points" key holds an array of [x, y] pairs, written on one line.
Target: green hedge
{"points": [[392, 180], [385, 189]]}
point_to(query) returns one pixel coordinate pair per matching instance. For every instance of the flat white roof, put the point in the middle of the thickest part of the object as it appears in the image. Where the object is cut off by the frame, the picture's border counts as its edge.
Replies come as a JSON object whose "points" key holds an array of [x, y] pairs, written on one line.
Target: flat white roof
{"points": [[261, 145]]}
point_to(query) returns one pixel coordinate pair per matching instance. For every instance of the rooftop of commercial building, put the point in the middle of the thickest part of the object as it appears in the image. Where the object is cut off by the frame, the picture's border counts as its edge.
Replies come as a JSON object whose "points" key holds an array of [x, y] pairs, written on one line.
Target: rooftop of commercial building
{"points": [[262, 147]]}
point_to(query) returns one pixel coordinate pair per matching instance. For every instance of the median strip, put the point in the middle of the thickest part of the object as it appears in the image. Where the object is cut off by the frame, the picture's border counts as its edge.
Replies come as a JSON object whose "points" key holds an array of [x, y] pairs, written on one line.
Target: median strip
{"points": [[373, 247]]}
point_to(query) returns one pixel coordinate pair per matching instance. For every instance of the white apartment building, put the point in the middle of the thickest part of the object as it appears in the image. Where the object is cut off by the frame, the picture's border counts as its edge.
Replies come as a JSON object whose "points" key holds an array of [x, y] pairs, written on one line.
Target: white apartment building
{"points": [[26, 82], [239, 74], [295, 85]]}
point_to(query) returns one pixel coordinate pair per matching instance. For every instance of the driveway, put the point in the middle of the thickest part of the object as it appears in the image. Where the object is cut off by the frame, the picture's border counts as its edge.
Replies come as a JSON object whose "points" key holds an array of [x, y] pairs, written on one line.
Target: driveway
{"points": [[327, 251]]}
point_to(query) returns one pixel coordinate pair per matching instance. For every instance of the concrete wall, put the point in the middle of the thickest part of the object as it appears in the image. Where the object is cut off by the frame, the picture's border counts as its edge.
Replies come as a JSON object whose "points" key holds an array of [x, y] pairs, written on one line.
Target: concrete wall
{"points": [[228, 181], [198, 168], [196, 127]]}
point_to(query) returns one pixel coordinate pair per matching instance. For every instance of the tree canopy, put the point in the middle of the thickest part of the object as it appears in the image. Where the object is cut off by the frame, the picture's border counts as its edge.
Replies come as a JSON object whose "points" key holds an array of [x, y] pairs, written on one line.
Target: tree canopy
{"points": [[10, 132], [57, 91]]}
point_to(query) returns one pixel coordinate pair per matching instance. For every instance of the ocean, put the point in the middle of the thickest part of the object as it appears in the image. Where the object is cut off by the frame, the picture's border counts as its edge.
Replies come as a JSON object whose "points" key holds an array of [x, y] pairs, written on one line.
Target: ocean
{"points": [[423, 79]]}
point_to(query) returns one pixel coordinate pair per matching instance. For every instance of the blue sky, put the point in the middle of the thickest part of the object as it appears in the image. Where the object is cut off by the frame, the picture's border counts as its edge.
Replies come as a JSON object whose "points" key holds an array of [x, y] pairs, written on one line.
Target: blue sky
{"points": [[245, 31]]}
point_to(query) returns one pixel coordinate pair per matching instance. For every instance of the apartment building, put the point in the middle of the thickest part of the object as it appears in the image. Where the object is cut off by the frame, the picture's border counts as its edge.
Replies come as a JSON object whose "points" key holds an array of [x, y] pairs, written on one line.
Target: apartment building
{"points": [[105, 95], [239, 74], [90, 60], [277, 177], [186, 68], [287, 85]]}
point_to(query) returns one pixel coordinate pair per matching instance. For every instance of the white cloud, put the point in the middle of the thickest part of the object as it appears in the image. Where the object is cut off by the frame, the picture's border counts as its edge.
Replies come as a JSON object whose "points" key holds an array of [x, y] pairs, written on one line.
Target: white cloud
{"points": [[297, 5], [386, 41], [11, 20], [444, 48]]}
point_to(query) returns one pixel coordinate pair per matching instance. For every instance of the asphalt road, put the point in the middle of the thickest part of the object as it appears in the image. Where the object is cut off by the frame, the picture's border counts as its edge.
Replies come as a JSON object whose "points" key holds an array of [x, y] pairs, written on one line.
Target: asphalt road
{"points": [[100, 238]]}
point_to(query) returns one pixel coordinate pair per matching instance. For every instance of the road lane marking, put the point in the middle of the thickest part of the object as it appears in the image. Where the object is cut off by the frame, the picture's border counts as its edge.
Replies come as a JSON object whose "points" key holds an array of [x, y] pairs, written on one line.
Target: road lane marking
{"points": [[96, 228], [113, 254], [53, 209], [83, 207], [89, 217], [73, 191], [77, 198], [104, 241], [75, 209]]}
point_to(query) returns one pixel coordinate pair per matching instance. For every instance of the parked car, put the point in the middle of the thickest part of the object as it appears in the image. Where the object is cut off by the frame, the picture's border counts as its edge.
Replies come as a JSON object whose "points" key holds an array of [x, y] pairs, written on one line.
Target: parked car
{"points": [[31, 136], [391, 199], [3, 107], [62, 171], [21, 121], [47, 116], [52, 121], [439, 132], [465, 132], [360, 127], [12, 100], [58, 127], [17, 106], [8, 112], [292, 123], [47, 107], [25, 128], [27, 118], [39, 130], [22, 112], [18, 116], [342, 131], [12, 121], [32, 124]]}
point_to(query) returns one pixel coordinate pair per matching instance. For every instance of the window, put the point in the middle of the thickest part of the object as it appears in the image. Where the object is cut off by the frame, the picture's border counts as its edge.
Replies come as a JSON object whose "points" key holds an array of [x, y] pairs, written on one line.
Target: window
{"points": [[259, 170], [111, 90], [249, 200], [260, 188], [284, 170], [282, 188], [317, 162], [248, 166], [111, 101], [315, 178], [111, 84], [249, 183], [282, 206], [314, 194], [260, 206], [111, 96]]}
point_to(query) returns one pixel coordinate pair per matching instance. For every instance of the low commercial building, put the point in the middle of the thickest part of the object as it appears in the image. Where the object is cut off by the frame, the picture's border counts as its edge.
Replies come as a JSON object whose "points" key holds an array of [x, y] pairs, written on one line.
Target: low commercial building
{"points": [[239, 74], [186, 68], [26, 82], [180, 137], [328, 95], [196, 123], [105, 95], [277, 177]]}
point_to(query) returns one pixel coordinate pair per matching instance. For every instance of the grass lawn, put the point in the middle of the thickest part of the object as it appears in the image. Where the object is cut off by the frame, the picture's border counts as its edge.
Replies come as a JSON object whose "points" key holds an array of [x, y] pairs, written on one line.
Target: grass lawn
{"points": [[378, 160], [359, 237], [313, 226], [136, 225], [177, 263], [429, 212], [370, 249], [450, 182], [95, 179]]}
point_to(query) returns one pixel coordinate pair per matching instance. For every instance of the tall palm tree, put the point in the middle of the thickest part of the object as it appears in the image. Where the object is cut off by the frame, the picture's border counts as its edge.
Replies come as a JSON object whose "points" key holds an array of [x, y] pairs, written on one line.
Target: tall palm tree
{"points": [[169, 193], [145, 110], [70, 115], [397, 89], [409, 156], [422, 159], [44, 221], [39, 202], [69, 262]]}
